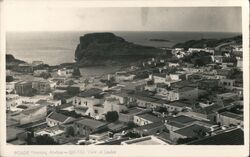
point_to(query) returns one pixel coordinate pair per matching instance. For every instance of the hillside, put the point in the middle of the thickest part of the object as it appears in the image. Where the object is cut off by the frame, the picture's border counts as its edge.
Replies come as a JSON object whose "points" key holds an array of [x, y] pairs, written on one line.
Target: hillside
{"points": [[207, 42]]}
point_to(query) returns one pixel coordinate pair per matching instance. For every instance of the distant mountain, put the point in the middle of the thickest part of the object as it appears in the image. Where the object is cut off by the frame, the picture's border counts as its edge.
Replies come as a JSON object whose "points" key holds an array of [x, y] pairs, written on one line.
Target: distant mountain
{"points": [[107, 48], [207, 42]]}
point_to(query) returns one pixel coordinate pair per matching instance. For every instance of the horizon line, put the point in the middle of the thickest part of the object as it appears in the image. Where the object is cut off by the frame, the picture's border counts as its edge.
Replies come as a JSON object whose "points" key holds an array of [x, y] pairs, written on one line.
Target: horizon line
{"points": [[32, 31]]}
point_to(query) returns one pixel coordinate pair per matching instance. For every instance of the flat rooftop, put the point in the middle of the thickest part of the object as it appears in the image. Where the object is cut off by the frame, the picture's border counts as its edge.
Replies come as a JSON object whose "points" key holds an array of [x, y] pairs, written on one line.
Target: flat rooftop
{"points": [[91, 123], [150, 126], [227, 95], [232, 115], [178, 104], [189, 131], [182, 119], [90, 92], [149, 117], [51, 131], [133, 111], [149, 140], [232, 137], [183, 89]]}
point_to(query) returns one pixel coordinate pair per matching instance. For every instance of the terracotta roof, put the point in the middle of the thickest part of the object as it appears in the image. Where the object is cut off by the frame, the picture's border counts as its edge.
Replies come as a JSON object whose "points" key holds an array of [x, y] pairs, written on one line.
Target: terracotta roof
{"points": [[91, 123], [232, 115], [150, 126], [90, 92], [232, 137], [44, 102], [178, 125], [149, 117], [58, 117], [160, 75], [31, 110], [116, 126], [66, 105], [134, 111], [178, 104], [189, 131], [182, 119]]}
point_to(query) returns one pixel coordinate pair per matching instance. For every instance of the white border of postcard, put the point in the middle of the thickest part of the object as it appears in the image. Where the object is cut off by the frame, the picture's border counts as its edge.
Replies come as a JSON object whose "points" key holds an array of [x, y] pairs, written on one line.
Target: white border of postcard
{"points": [[145, 151]]}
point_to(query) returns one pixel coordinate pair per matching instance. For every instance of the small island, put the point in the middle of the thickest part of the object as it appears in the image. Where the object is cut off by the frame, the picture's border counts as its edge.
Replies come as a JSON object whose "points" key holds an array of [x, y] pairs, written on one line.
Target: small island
{"points": [[159, 40]]}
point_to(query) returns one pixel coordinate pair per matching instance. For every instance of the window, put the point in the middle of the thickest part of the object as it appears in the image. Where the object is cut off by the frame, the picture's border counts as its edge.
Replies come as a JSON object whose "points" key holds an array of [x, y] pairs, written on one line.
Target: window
{"points": [[96, 111]]}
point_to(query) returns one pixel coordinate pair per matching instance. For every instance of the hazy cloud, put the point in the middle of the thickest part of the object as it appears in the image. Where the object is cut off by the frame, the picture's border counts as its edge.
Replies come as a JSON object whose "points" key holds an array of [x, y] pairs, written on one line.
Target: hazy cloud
{"points": [[51, 18]]}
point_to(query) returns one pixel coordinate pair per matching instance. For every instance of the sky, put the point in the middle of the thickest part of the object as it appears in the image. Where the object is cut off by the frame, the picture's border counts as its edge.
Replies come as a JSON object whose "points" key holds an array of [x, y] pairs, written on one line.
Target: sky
{"points": [[37, 17]]}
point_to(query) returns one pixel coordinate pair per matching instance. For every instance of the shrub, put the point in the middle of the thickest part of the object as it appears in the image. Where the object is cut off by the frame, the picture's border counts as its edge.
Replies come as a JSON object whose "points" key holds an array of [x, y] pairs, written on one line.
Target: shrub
{"points": [[112, 116]]}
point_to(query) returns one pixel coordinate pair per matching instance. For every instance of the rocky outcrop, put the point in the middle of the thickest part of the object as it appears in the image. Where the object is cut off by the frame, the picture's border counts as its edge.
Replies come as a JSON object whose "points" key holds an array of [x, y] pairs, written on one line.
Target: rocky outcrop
{"points": [[10, 59], [107, 48]]}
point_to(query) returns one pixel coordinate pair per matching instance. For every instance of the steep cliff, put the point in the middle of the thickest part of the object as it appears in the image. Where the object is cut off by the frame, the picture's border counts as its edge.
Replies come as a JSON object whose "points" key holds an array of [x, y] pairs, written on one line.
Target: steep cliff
{"points": [[107, 48]]}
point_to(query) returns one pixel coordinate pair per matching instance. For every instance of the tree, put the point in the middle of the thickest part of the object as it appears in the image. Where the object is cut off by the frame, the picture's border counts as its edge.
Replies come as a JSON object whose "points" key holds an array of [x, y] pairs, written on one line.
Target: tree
{"points": [[45, 75], [76, 72], [131, 125], [45, 140], [86, 82], [162, 109], [70, 131], [112, 116]]}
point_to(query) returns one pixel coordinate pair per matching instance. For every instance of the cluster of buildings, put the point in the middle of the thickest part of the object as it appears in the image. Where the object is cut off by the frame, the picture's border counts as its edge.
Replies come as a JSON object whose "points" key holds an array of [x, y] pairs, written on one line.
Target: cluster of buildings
{"points": [[156, 102]]}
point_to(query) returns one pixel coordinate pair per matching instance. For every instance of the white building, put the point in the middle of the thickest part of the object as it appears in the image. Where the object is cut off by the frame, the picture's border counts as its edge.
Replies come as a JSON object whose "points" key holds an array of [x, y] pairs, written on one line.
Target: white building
{"points": [[39, 72], [189, 93], [85, 105], [177, 76], [201, 49], [54, 119], [51, 131], [144, 119], [179, 52], [12, 100], [65, 72], [148, 140], [124, 76], [121, 96], [171, 64], [159, 78], [112, 104], [239, 63], [10, 86]]}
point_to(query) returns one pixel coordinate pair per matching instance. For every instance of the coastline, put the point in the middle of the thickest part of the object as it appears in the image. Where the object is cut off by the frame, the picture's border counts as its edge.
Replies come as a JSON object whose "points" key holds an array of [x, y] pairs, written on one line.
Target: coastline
{"points": [[27, 46]]}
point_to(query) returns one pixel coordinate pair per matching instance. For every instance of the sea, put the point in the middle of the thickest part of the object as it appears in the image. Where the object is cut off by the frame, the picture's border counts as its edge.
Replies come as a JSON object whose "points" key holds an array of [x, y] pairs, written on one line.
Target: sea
{"points": [[54, 48]]}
